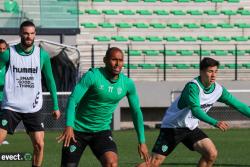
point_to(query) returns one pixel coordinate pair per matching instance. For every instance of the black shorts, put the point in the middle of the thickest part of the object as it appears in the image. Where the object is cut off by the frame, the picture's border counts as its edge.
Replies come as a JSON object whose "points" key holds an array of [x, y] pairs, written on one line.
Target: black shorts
{"points": [[32, 122], [99, 143], [169, 138]]}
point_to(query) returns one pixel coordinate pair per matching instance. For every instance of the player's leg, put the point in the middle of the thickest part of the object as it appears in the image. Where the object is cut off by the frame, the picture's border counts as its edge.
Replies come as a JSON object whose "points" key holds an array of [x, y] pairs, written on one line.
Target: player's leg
{"points": [[8, 123], [104, 148], [164, 145], [33, 122], [198, 141], [37, 139], [71, 155]]}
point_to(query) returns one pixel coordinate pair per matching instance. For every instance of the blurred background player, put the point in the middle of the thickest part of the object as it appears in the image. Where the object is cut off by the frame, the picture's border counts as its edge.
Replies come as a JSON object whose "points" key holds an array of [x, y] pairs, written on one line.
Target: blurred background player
{"points": [[3, 47], [180, 122], [89, 113], [22, 100]]}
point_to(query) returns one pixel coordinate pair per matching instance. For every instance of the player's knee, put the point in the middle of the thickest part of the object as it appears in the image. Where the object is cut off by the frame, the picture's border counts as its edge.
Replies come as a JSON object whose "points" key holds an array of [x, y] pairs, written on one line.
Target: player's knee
{"points": [[110, 163], [212, 155], [39, 145]]}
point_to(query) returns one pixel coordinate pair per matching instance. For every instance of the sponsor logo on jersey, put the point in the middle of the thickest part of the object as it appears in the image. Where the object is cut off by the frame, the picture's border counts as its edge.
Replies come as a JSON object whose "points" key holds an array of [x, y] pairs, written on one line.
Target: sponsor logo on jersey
{"points": [[25, 70]]}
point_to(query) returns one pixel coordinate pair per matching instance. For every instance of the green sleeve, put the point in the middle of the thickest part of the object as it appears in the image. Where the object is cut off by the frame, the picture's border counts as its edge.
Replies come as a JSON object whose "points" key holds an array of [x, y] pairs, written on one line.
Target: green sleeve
{"points": [[136, 111], [50, 82], [194, 104], [5, 56], [232, 101], [80, 89]]}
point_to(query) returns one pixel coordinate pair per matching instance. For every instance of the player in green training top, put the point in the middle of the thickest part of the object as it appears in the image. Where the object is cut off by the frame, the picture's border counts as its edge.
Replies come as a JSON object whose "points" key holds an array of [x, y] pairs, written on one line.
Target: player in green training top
{"points": [[180, 122], [89, 113], [22, 97]]}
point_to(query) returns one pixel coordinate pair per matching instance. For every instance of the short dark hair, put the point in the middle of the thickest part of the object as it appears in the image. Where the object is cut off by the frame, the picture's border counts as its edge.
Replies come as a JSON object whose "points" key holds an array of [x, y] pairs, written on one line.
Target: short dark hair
{"points": [[26, 24], [208, 62], [111, 50], [3, 41]]}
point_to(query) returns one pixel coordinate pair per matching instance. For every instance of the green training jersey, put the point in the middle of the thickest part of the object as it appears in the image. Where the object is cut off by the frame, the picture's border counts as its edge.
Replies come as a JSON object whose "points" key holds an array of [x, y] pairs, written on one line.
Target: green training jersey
{"points": [[45, 66], [2, 75], [189, 105], [94, 99]]}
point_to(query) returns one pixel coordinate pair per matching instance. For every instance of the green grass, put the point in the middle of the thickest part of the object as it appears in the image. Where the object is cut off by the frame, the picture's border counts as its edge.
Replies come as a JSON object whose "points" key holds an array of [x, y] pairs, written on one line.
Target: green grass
{"points": [[233, 147]]}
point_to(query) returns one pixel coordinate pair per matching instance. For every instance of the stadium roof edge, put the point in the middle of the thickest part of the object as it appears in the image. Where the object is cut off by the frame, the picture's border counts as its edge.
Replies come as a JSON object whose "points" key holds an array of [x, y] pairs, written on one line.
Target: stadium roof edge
{"points": [[43, 31]]}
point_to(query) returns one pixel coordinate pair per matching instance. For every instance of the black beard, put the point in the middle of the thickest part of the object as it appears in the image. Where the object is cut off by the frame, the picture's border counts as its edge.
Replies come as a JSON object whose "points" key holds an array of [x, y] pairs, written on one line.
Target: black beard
{"points": [[26, 45]]}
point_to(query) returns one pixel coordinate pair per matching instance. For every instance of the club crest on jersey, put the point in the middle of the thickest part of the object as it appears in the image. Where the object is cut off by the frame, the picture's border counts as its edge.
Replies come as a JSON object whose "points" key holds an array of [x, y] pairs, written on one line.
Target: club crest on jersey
{"points": [[164, 148], [101, 87], [4, 122], [72, 148], [119, 91]]}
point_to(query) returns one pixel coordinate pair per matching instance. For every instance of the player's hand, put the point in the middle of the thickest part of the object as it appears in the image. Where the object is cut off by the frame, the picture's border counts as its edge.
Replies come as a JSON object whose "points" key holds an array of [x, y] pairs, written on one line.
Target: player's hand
{"points": [[222, 125], [66, 136], [143, 152], [56, 114]]}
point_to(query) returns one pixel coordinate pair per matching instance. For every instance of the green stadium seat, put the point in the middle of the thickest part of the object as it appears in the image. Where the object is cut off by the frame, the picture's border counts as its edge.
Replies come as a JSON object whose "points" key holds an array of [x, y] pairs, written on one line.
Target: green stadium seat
{"points": [[167, 66], [154, 38], [203, 52], [240, 38], [92, 12], [225, 25], [75, 11], [219, 52], [140, 25], [191, 25], [222, 66], [88, 25], [134, 52], [232, 66], [136, 38], [98, 0], [110, 12], [222, 39], [133, 0], [102, 38], [246, 65], [127, 12], [205, 39], [157, 25], [185, 52], [151, 52], [242, 25], [195, 66], [188, 39], [211, 12], [115, 0], [217, 1], [182, 66], [200, 1], [228, 12], [147, 66], [233, 1], [194, 12], [130, 66], [239, 52], [119, 38], [169, 52], [183, 1], [178, 12], [106, 25], [244, 12], [143, 12], [161, 12], [171, 39], [174, 25], [167, 1], [123, 25], [208, 25], [150, 1]]}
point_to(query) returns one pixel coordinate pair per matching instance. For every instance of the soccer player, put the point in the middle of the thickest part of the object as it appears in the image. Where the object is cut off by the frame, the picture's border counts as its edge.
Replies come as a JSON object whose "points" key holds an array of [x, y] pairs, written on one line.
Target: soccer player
{"points": [[180, 122], [89, 113], [3, 47], [22, 97]]}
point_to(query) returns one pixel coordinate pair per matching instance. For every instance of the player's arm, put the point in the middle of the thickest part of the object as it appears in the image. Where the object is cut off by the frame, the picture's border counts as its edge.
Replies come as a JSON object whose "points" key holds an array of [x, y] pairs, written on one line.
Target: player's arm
{"points": [[74, 99], [5, 56], [192, 92], [232, 101], [50, 82], [137, 118]]}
